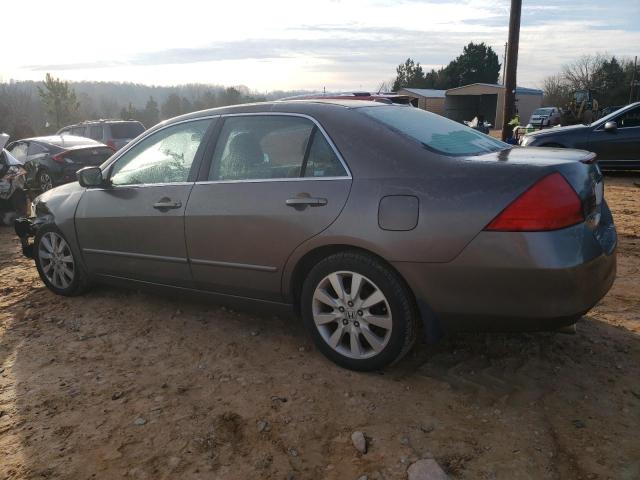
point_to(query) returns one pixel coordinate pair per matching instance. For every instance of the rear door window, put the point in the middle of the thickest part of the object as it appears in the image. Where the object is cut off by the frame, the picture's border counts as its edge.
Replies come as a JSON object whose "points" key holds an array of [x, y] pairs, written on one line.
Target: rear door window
{"points": [[275, 147], [79, 131], [322, 160], [35, 149]]}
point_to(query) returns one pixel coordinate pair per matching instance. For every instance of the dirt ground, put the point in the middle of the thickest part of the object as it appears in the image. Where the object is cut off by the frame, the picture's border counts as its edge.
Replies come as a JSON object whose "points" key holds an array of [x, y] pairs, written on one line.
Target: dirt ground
{"points": [[121, 384]]}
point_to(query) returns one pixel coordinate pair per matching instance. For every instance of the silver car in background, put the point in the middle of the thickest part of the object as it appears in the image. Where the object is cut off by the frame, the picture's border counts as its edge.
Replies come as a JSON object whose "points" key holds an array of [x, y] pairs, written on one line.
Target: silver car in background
{"points": [[545, 117], [371, 221]]}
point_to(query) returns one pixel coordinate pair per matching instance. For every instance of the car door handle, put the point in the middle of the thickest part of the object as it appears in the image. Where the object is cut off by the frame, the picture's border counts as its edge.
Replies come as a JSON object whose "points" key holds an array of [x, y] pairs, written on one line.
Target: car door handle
{"points": [[306, 202], [166, 204]]}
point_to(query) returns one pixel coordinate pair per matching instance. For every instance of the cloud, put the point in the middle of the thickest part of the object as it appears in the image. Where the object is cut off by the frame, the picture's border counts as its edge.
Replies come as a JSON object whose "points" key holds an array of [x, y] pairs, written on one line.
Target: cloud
{"points": [[353, 43]]}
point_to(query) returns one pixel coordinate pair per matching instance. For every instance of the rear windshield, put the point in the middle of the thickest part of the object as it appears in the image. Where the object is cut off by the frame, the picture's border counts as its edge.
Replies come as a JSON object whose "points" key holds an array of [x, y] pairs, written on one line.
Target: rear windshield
{"points": [[543, 111], [434, 132], [127, 130]]}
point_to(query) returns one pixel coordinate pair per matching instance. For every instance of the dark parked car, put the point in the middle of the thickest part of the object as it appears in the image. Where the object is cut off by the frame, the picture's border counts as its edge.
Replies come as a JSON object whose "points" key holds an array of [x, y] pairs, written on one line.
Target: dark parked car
{"points": [[113, 133], [614, 138], [366, 218], [54, 160]]}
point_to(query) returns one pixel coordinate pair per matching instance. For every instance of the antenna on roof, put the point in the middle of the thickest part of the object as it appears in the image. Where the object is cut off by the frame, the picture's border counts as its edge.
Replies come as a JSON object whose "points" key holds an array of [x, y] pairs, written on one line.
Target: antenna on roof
{"points": [[324, 90]]}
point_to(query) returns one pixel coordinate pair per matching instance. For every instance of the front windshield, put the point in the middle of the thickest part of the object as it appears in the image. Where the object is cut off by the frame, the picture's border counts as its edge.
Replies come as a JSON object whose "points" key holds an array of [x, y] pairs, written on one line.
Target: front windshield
{"points": [[434, 132]]}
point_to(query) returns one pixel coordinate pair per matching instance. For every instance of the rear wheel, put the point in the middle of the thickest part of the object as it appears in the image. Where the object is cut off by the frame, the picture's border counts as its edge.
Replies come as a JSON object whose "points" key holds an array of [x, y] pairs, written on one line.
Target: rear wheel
{"points": [[358, 311], [45, 182], [58, 267]]}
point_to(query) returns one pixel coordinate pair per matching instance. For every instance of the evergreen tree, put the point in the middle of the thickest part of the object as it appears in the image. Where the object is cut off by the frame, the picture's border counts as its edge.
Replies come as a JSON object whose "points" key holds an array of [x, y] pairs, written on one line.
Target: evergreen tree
{"points": [[59, 100]]}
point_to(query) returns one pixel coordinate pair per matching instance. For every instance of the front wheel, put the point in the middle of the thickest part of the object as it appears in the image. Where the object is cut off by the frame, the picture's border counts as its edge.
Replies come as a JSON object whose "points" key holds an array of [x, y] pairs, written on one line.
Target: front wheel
{"points": [[57, 265], [358, 311]]}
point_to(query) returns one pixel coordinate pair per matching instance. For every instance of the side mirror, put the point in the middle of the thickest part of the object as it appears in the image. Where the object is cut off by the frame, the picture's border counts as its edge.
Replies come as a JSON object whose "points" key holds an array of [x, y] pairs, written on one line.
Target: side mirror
{"points": [[90, 177], [610, 126]]}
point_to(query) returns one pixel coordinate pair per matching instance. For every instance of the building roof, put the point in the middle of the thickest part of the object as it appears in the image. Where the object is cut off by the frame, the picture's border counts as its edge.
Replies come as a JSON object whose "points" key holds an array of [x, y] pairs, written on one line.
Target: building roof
{"points": [[519, 90], [425, 92]]}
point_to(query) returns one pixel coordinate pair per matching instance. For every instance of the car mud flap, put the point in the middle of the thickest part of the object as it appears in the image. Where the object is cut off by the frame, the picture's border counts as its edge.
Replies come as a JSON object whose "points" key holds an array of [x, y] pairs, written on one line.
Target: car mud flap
{"points": [[24, 229], [431, 324]]}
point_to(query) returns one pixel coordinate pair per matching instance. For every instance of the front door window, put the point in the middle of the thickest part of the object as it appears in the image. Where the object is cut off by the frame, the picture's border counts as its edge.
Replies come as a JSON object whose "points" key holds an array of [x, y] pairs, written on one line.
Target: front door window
{"points": [[163, 157]]}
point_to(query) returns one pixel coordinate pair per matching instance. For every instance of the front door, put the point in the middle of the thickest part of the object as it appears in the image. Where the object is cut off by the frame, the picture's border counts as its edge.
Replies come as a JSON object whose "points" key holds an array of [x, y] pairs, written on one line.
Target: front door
{"points": [[273, 182], [619, 148], [134, 228]]}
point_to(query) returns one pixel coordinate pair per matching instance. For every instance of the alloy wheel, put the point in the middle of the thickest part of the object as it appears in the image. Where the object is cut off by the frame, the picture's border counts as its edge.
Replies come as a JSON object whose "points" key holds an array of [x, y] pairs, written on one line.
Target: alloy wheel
{"points": [[352, 314], [56, 260], [45, 181]]}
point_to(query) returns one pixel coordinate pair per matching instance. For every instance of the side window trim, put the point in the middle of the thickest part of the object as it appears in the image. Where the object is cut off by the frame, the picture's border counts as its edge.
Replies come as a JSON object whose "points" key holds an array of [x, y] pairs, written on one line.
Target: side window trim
{"points": [[206, 164]]}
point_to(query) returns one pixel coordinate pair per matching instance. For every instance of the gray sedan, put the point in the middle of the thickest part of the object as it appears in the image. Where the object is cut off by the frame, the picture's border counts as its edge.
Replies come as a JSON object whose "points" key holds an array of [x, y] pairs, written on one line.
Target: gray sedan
{"points": [[371, 221]]}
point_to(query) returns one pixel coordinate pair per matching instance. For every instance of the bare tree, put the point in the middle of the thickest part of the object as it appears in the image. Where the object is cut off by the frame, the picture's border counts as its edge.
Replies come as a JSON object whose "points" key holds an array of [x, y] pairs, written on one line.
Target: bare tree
{"points": [[579, 75], [557, 91]]}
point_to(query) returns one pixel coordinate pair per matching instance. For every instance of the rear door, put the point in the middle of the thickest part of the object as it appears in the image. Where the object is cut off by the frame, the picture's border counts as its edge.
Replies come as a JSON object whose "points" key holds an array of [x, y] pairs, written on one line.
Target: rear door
{"points": [[619, 148], [272, 182], [95, 131], [135, 227]]}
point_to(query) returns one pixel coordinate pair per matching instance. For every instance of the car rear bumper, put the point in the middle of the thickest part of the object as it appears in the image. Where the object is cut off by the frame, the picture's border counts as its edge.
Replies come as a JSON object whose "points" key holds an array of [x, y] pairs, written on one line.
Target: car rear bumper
{"points": [[519, 281]]}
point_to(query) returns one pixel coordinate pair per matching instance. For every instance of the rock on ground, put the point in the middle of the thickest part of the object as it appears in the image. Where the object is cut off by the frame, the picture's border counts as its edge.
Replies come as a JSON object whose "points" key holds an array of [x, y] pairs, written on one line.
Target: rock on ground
{"points": [[359, 441], [427, 469]]}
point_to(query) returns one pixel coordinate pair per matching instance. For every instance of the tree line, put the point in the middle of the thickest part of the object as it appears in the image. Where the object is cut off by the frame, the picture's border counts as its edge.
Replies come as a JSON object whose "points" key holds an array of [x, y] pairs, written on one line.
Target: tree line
{"points": [[478, 63], [609, 77], [31, 108]]}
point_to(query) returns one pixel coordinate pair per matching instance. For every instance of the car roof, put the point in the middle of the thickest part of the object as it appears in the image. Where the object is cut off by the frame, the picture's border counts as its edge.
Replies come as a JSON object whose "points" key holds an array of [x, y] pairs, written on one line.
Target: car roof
{"points": [[63, 141], [281, 106]]}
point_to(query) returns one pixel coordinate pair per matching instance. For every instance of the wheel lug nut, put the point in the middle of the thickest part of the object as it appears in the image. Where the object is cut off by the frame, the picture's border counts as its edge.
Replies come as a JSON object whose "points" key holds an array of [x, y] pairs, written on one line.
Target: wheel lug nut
{"points": [[356, 323], [350, 303], [341, 309], [360, 313], [345, 321]]}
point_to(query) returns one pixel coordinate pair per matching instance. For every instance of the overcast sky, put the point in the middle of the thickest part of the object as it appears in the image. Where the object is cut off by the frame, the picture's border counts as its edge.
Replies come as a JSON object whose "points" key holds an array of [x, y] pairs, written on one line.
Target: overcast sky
{"points": [[296, 44]]}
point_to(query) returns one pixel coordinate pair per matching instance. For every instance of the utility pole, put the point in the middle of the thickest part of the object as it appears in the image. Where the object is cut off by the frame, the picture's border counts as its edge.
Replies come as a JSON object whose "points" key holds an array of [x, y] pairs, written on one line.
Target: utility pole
{"points": [[633, 80], [512, 65], [504, 61]]}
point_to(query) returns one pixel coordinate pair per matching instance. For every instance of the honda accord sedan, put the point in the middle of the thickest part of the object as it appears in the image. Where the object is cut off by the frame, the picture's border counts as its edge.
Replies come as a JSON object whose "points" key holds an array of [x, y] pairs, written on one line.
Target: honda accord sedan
{"points": [[372, 221]]}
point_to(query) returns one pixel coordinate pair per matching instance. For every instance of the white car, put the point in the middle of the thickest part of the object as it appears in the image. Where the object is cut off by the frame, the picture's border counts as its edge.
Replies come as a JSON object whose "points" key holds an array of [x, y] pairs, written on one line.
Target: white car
{"points": [[545, 117]]}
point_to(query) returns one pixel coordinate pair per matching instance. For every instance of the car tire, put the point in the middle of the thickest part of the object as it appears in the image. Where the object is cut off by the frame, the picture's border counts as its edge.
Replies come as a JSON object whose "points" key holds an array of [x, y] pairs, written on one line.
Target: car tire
{"points": [[367, 330], [59, 267], [44, 180]]}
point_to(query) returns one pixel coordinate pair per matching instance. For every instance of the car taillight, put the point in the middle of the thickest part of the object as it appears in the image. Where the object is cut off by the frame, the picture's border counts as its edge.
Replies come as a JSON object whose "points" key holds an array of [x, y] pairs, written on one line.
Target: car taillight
{"points": [[550, 204], [111, 144], [59, 157]]}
